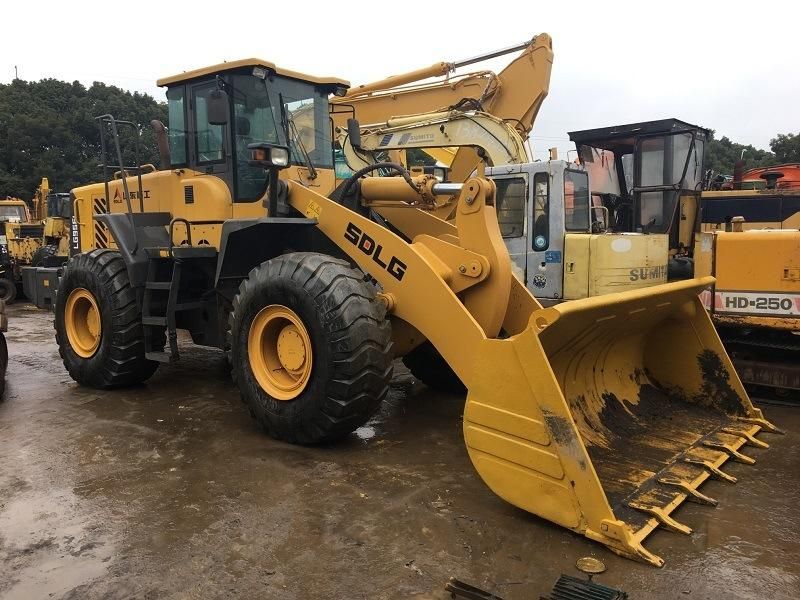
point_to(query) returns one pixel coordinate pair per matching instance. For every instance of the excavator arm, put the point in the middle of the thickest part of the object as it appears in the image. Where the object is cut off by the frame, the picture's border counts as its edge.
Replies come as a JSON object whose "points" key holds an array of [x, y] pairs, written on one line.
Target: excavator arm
{"points": [[514, 95]]}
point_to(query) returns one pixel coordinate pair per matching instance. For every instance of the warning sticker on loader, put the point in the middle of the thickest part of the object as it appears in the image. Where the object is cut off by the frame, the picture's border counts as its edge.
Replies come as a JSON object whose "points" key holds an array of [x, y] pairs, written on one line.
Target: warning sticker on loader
{"points": [[313, 210], [772, 304]]}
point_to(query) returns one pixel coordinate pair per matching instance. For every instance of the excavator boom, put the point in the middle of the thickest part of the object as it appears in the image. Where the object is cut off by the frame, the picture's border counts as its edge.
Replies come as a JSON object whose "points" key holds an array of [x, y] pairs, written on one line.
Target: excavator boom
{"points": [[514, 95]]}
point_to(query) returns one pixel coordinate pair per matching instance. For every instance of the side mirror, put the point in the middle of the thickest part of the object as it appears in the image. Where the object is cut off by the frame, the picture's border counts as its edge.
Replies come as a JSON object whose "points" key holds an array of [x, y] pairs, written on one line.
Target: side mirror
{"points": [[217, 108], [354, 133]]}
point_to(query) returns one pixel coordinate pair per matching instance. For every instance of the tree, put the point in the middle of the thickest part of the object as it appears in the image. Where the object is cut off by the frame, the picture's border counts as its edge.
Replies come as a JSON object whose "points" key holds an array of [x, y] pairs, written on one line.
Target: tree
{"points": [[48, 129], [723, 153], [786, 147], [416, 157]]}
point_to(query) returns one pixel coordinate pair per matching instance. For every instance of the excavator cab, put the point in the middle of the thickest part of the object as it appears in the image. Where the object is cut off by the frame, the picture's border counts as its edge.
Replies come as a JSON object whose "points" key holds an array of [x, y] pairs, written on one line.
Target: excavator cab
{"points": [[649, 177], [561, 239]]}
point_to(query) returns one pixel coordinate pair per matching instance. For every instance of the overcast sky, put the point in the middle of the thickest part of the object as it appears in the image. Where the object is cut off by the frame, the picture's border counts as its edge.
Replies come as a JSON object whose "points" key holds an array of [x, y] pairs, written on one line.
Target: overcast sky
{"points": [[728, 66]]}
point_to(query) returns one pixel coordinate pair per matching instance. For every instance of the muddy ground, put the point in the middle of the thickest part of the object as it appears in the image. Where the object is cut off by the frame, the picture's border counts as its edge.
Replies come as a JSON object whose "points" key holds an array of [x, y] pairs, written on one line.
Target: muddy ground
{"points": [[170, 491]]}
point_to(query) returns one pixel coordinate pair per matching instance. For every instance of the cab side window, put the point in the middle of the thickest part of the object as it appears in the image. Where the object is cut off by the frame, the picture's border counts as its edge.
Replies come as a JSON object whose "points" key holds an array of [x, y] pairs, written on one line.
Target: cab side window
{"points": [[208, 137], [576, 201], [177, 126], [510, 200]]}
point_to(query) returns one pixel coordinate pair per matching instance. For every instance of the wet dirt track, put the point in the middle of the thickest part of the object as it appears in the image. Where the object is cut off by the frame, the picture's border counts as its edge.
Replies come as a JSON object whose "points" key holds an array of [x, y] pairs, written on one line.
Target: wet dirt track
{"points": [[169, 490]]}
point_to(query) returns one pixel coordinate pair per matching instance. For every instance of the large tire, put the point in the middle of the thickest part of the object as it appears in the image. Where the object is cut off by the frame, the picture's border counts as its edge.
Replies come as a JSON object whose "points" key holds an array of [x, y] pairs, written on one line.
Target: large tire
{"points": [[8, 290], [349, 366], [427, 365], [42, 254], [118, 359]]}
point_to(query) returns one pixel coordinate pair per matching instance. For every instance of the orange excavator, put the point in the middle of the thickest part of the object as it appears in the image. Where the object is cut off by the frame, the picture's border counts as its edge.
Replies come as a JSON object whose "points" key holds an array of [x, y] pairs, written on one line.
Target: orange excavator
{"points": [[787, 177]]}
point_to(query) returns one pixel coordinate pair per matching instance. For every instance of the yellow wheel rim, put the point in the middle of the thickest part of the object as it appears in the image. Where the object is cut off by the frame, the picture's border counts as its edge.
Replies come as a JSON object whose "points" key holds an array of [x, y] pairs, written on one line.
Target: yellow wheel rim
{"points": [[279, 350], [83, 323]]}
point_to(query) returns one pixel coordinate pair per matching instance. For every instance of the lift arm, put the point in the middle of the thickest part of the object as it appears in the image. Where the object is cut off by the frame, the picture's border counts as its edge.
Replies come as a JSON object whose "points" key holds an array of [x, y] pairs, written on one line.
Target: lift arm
{"points": [[602, 415]]}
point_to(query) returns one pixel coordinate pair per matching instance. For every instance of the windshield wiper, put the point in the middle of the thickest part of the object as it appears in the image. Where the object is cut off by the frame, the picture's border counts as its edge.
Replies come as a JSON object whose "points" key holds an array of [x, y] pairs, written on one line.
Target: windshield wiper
{"points": [[294, 137]]}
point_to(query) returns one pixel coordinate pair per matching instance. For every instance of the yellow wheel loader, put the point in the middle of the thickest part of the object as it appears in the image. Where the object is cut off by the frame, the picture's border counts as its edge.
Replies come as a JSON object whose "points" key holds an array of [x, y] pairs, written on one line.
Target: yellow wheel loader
{"points": [[31, 245], [14, 224], [602, 415]]}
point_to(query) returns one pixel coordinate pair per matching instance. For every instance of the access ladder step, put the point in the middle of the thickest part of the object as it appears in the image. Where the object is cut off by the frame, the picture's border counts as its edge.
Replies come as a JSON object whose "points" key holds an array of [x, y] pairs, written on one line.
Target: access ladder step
{"points": [[162, 357], [158, 285], [158, 321]]}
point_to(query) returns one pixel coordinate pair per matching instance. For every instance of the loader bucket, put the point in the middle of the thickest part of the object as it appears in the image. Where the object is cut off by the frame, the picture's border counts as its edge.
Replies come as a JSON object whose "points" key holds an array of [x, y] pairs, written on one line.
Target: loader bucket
{"points": [[605, 414]]}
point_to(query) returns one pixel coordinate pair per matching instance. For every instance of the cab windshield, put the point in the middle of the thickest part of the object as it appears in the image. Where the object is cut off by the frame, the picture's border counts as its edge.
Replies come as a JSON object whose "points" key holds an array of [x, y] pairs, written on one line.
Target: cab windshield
{"points": [[279, 111], [12, 213], [275, 110]]}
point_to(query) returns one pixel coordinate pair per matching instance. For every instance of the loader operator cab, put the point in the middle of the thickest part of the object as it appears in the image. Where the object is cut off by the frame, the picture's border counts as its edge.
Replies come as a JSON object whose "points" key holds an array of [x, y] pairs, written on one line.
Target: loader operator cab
{"points": [[13, 211], [215, 113], [649, 177]]}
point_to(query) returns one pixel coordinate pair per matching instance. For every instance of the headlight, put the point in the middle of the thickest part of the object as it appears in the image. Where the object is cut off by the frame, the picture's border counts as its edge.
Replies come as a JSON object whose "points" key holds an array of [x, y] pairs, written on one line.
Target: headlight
{"points": [[268, 156], [280, 157]]}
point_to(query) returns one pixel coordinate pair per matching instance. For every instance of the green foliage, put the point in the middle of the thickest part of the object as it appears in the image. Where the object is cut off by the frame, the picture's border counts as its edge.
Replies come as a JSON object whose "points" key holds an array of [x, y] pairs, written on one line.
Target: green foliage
{"points": [[47, 129], [416, 157], [723, 153], [786, 147]]}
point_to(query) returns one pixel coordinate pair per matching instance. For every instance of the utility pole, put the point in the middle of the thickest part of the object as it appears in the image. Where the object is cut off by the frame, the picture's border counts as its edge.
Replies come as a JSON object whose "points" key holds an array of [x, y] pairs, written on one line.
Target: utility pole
{"points": [[16, 75]]}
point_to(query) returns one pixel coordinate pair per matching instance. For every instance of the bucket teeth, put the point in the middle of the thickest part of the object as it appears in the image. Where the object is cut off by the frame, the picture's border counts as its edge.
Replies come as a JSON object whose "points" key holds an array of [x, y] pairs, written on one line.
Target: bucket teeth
{"points": [[691, 493], [747, 436], [715, 471], [663, 518], [733, 452], [763, 423]]}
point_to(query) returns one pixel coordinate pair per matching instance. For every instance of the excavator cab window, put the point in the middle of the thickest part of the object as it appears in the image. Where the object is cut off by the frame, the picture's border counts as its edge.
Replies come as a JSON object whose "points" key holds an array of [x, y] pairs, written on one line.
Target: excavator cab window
{"points": [[641, 170], [576, 200], [665, 168], [511, 195]]}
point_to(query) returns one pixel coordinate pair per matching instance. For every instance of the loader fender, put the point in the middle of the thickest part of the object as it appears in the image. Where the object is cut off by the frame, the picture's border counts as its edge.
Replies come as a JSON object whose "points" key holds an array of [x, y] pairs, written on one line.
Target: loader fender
{"points": [[246, 243]]}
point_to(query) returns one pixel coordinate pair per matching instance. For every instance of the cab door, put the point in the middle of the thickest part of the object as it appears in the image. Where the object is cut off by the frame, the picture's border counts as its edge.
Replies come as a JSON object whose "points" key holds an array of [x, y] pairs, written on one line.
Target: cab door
{"points": [[511, 204], [209, 150], [545, 239]]}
